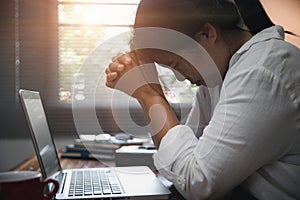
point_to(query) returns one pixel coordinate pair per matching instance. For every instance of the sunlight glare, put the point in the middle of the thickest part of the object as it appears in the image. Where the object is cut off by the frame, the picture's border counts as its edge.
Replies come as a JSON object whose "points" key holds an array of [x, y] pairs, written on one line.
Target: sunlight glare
{"points": [[99, 15]]}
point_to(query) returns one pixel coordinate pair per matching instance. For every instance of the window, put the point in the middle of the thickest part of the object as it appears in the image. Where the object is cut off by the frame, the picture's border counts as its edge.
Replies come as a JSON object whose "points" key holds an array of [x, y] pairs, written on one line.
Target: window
{"points": [[84, 27], [90, 33]]}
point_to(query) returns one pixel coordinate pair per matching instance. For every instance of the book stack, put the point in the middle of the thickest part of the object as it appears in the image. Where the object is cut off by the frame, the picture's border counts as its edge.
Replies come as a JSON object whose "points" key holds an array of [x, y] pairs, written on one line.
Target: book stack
{"points": [[100, 147], [135, 155]]}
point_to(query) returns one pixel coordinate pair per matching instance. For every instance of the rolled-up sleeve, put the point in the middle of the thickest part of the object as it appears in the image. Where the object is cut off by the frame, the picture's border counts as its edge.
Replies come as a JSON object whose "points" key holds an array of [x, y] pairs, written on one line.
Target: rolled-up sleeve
{"points": [[177, 144]]}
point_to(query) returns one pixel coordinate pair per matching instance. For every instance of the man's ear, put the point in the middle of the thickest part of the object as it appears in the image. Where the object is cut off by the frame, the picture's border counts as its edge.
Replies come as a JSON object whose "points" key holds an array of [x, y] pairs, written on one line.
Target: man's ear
{"points": [[207, 34]]}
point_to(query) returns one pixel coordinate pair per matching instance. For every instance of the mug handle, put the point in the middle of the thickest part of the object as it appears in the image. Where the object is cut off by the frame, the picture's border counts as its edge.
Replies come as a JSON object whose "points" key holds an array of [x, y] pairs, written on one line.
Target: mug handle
{"points": [[54, 191]]}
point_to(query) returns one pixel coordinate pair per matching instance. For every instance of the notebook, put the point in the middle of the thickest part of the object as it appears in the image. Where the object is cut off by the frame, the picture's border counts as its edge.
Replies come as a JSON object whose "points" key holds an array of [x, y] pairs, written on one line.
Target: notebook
{"points": [[135, 182]]}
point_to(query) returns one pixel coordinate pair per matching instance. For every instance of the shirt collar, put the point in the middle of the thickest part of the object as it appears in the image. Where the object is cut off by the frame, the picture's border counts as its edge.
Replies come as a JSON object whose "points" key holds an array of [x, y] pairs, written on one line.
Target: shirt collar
{"points": [[274, 32]]}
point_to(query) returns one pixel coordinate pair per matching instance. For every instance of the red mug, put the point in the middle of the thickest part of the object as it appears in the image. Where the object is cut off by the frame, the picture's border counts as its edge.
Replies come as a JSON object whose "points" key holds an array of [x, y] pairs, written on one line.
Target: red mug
{"points": [[25, 185]]}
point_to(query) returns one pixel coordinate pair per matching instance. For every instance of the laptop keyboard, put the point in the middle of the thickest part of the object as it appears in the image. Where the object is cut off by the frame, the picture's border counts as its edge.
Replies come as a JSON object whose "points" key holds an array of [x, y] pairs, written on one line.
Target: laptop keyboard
{"points": [[94, 182]]}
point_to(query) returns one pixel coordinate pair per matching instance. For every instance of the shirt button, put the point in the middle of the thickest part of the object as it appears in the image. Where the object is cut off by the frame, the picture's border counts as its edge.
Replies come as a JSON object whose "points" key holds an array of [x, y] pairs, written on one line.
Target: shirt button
{"points": [[179, 181], [293, 96]]}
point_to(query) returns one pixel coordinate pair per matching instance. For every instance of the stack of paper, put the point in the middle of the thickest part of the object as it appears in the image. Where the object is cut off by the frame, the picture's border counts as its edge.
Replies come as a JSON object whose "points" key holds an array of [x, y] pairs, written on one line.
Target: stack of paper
{"points": [[101, 146]]}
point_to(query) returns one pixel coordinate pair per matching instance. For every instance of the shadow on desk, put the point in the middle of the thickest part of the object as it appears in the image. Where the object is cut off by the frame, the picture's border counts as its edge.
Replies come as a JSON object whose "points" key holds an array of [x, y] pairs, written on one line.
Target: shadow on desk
{"points": [[32, 164]]}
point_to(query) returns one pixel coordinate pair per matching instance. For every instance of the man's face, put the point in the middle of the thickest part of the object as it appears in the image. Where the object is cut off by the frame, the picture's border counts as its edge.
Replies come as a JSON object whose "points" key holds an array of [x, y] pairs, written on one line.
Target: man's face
{"points": [[181, 68]]}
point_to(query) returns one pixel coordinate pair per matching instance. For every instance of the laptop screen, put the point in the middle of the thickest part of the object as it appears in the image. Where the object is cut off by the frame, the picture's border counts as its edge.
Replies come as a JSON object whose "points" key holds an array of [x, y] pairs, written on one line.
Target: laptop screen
{"points": [[40, 133]]}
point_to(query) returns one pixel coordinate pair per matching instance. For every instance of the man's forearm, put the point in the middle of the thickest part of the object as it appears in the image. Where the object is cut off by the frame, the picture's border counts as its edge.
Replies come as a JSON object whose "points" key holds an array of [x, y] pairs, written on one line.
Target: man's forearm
{"points": [[159, 115]]}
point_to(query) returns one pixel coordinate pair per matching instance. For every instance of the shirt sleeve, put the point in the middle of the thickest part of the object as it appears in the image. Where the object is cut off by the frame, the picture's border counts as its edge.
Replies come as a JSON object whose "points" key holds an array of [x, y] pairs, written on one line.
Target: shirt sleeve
{"points": [[250, 128], [198, 117], [202, 109]]}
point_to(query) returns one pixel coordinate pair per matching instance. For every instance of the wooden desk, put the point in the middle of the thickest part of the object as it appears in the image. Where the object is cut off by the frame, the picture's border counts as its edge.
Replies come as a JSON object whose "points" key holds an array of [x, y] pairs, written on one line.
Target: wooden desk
{"points": [[31, 163]]}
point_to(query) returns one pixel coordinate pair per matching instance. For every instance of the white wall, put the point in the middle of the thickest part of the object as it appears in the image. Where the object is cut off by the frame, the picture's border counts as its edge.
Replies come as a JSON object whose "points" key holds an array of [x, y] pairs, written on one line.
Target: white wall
{"points": [[287, 14]]}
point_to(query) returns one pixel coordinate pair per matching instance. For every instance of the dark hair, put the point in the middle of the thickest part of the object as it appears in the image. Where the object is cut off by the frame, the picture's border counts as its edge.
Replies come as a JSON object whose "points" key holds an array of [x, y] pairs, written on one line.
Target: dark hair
{"points": [[254, 15], [186, 16]]}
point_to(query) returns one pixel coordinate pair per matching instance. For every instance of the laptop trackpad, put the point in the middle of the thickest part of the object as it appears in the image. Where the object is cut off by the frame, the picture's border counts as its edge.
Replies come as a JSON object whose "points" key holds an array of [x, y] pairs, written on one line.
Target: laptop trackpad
{"points": [[140, 180]]}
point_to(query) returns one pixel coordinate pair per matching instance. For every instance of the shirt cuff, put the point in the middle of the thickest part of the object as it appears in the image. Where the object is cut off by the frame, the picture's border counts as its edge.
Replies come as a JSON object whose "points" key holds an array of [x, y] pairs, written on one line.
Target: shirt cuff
{"points": [[173, 144]]}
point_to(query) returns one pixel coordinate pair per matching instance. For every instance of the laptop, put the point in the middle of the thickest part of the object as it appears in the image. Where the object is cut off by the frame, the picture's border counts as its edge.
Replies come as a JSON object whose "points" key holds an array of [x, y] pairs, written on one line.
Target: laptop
{"points": [[136, 182]]}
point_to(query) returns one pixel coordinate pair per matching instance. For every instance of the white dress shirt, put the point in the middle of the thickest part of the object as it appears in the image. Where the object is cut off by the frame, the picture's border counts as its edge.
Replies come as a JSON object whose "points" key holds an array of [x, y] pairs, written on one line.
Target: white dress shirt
{"points": [[245, 132]]}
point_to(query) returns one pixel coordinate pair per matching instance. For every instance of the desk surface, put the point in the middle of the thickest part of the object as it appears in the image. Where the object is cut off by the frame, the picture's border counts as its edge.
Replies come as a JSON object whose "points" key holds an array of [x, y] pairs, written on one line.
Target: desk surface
{"points": [[31, 163]]}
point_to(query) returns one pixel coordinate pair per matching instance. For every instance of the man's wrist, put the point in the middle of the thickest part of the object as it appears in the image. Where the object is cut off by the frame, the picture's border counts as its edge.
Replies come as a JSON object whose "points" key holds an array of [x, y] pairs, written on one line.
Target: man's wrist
{"points": [[147, 99]]}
